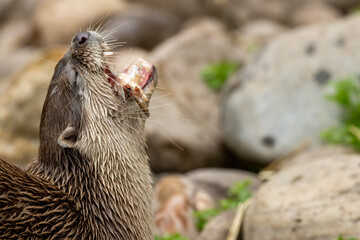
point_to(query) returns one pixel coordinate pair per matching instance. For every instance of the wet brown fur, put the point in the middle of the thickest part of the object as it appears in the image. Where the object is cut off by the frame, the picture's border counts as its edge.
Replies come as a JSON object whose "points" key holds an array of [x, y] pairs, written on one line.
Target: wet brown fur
{"points": [[91, 179]]}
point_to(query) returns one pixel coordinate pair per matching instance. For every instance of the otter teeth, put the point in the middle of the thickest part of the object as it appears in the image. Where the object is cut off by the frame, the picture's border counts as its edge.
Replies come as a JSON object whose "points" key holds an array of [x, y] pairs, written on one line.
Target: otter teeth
{"points": [[108, 53]]}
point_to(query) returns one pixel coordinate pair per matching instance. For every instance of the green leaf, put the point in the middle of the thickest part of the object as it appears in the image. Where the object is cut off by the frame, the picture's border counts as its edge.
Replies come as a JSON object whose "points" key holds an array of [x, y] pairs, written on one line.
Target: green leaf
{"points": [[340, 237], [238, 193], [204, 216], [346, 93], [355, 9], [228, 204], [215, 75], [176, 236]]}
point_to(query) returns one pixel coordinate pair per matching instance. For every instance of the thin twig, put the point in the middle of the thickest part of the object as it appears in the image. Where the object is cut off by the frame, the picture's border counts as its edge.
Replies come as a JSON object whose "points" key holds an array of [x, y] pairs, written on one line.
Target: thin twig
{"points": [[238, 220]]}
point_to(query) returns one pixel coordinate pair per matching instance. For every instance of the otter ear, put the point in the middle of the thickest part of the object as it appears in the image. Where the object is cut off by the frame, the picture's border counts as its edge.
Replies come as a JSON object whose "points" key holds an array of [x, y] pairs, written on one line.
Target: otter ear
{"points": [[68, 137]]}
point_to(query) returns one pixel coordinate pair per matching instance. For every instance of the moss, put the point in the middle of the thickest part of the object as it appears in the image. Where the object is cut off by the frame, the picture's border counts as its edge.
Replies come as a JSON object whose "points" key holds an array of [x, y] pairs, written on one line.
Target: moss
{"points": [[346, 94], [216, 75], [341, 238], [176, 236]]}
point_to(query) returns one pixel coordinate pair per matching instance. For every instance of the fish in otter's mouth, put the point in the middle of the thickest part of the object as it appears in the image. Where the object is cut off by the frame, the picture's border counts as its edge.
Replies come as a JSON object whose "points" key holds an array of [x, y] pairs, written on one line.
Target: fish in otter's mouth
{"points": [[91, 49], [131, 82]]}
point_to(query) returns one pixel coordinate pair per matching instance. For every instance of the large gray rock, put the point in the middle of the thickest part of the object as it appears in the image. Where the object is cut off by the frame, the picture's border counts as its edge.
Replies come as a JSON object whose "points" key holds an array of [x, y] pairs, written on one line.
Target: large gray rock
{"points": [[254, 35], [316, 200], [278, 102], [261, 30], [185, 110], [236, 12], [177, 142], [141, 25], [233, 13], [218, 181], [315, 154]]}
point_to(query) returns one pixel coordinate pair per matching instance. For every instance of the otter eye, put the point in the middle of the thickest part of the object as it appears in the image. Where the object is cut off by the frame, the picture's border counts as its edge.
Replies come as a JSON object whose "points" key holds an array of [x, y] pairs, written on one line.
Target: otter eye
{"points": [[74, 83], [72, 79]]}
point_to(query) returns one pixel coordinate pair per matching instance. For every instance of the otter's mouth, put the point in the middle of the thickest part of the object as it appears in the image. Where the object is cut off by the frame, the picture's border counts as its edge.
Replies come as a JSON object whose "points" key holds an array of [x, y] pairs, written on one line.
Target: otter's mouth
{"points": [[133, 82]]}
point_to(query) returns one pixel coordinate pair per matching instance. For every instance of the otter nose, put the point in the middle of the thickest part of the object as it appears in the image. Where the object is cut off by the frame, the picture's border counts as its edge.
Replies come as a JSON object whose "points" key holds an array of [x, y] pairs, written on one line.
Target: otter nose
{"points": [[81, 38]]}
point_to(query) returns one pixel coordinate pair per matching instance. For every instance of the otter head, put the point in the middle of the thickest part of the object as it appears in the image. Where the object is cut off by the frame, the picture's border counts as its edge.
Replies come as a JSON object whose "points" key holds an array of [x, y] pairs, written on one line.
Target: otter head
{"points": [[88, 105]]}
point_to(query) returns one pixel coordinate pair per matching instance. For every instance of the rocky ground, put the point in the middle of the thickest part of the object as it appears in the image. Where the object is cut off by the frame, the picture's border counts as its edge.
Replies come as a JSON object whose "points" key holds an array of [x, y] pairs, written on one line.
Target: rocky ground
{"points": [[202, 141]]}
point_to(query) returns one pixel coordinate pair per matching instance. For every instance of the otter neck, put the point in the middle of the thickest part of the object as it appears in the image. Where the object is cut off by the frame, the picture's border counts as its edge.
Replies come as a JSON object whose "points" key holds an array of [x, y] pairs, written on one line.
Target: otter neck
{"points": [[108, 177]]}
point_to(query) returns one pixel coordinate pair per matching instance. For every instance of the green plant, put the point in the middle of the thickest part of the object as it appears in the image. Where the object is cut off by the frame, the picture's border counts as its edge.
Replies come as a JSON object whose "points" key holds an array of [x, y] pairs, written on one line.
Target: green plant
{"points": [[175, 236], [238, 193], [341, 238], [204, 216], [355, 10], [215, 75], [347, 95]]}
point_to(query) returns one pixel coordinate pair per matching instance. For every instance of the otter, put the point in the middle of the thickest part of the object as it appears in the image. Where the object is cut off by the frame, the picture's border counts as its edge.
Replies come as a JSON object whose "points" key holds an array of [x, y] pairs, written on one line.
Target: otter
{"points": [[91, 179]]}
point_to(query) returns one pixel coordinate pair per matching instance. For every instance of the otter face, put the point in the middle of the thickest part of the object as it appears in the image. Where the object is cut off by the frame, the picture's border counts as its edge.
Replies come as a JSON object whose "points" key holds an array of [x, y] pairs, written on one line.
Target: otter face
{"points": [[85, 98], [90, 53], [87, 49]]}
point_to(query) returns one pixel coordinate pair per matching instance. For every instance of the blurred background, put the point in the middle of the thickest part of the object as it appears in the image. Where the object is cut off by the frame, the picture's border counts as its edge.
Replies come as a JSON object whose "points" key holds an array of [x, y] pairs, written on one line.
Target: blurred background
{"points": [[251, 92]]}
